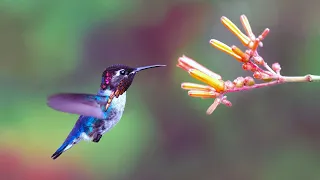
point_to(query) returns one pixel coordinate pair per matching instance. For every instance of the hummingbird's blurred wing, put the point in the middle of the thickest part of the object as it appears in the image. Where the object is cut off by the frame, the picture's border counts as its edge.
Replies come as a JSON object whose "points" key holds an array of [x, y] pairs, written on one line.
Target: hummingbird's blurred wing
{"points": [[76, 103]]}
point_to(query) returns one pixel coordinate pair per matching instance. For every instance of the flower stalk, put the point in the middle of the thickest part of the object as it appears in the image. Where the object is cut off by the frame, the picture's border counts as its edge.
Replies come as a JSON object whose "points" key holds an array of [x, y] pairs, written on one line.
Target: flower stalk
{"points": [[251, 61]]}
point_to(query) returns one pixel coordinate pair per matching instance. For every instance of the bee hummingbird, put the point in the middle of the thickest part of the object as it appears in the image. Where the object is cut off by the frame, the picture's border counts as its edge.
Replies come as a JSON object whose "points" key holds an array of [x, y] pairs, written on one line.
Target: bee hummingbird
{"points": [[98, 113]]}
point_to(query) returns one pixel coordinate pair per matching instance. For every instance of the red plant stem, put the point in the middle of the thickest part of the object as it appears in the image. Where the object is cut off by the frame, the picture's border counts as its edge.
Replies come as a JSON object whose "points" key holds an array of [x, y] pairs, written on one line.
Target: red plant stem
{"points": [[261, 85], [278, 80], [259, 69]]}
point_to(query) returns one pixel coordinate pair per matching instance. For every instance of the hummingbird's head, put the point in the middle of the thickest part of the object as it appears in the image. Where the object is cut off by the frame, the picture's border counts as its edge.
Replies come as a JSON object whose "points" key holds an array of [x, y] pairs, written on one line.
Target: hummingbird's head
{"points": [[118, 78]]}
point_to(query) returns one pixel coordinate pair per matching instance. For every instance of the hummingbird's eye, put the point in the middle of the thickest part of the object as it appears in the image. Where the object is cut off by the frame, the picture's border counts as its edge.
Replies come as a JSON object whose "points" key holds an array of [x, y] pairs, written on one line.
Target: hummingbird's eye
{"points": [[123, 72]]}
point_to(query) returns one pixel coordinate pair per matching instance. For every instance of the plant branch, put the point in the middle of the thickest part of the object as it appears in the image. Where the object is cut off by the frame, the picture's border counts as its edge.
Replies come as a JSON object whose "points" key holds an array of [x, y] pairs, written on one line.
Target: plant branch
{"points": [[306, 78], [256, 86], [269, 68], [280, 80]]}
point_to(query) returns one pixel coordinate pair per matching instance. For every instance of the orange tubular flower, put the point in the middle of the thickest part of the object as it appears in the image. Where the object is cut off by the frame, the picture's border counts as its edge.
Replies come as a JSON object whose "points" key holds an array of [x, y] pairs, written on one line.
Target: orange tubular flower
{"points": [[235, 30], [246, 25], [203, 94], [253, 45], [244, 57], [193, 86], [217, 84], [187, 64], [225, 48], [197, 71]]}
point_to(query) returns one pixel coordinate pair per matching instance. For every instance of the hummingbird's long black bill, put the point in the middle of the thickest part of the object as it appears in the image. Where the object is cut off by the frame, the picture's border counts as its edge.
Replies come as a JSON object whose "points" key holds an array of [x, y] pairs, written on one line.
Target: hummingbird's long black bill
{"points": [[147, 67]]}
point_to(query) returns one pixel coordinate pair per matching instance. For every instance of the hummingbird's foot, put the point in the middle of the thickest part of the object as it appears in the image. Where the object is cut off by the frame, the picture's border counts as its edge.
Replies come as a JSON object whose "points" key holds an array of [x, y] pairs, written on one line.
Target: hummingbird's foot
{"points": [[97, 138]]}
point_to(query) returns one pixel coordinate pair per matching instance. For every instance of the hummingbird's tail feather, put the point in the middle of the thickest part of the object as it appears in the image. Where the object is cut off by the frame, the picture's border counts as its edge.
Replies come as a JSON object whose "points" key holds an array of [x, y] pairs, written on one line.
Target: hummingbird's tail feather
{"points": [[59, 151], [72, 139], [64, 147]]}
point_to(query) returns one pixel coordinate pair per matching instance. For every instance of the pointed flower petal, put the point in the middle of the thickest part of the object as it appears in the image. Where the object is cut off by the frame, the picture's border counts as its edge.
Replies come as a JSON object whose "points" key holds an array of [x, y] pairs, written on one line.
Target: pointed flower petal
{"points": [[187, 63], [183, 66]]}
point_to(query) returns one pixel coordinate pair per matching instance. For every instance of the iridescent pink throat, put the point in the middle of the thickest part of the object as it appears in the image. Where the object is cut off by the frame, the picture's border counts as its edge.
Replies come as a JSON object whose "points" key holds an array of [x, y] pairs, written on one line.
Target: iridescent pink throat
{"points": [[106, 80]]}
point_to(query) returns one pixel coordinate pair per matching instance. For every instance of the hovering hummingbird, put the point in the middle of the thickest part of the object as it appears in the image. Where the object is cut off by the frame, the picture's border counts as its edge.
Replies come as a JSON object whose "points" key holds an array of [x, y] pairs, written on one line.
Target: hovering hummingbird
{"points": [[98, 113]]}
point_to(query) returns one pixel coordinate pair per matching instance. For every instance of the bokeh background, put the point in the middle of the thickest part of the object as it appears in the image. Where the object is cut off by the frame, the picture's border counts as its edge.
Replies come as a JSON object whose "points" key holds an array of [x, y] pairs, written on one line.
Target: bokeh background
{"points": [[63, 46]]}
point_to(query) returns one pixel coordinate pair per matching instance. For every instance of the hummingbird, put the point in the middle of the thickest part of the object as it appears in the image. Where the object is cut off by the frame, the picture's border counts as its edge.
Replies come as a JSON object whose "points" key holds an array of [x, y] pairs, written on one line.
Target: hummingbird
{"points": [[98, 113]]}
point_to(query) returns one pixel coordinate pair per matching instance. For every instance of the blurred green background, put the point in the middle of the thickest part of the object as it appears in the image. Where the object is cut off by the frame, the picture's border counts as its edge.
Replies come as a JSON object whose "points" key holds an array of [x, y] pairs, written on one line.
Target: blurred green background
{"points": [[63, 46]]}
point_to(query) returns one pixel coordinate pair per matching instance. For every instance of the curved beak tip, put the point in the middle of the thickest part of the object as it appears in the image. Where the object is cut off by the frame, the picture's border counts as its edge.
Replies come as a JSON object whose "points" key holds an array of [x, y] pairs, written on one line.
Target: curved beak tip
{"points": [[148, 67]]}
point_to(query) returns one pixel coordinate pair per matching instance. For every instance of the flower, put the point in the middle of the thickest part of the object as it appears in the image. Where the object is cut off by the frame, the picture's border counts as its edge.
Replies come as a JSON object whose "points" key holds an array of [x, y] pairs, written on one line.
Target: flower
{"points": [[187, 63], [250, 41], [251, 61], [217, 88], [215, 85], [201, 73], [245, 40]]}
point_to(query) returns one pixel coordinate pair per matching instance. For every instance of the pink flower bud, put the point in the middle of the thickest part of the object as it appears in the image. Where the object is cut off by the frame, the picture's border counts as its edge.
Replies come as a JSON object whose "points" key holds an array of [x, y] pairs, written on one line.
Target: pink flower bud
{"points": [[257, 75], [264, 34], [266, 77], [258, 60], [239, 82], [229, 85], [276, 67], [249, 81], [247, 67], [226, 102]]}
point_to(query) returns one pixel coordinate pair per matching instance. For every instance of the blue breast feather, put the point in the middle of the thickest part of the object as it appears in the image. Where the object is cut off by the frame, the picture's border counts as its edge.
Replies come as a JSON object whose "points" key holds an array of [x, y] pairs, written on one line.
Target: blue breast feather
{"points": [[114, 113]]}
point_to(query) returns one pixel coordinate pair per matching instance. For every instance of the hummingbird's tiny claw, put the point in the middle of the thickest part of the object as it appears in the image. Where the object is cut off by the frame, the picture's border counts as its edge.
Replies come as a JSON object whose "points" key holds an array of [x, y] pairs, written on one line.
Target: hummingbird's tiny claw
{"points": [[97, 138]]}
